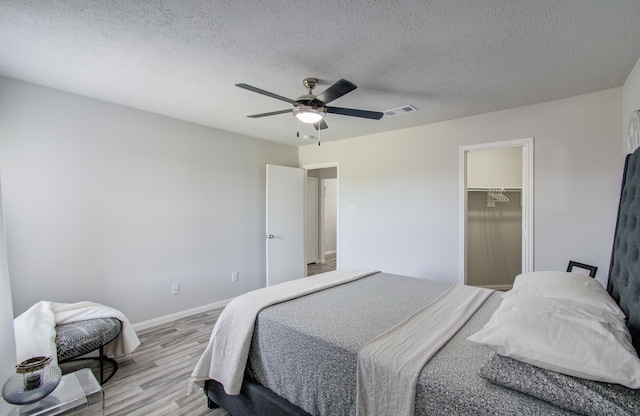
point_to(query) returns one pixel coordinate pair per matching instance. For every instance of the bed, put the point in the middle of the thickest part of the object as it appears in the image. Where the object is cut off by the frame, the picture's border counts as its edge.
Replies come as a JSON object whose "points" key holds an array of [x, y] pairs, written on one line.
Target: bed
{"points": [[303, 352]]}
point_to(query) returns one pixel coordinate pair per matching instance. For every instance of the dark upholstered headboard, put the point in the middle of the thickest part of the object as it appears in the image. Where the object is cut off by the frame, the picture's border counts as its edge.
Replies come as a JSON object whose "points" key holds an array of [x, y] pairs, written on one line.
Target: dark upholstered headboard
{"points": [[624, 271]]}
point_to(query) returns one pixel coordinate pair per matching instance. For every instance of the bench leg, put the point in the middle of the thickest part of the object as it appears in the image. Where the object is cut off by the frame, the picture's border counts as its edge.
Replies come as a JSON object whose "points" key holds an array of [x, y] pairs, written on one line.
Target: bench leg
{"points": [[113, 362]]}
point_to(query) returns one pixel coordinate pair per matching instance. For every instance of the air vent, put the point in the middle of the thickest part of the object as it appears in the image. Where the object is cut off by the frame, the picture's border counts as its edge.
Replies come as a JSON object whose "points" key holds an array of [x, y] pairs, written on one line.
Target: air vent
{"points": [[400, 110]]}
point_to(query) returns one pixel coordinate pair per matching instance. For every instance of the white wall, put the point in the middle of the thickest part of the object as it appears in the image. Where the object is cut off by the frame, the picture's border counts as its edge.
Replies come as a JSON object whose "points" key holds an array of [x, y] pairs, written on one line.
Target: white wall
{"points": [[403, 186], [7, 337], [327, 207], [113, 205], [630, 99], [330, 213], [495, 168]]}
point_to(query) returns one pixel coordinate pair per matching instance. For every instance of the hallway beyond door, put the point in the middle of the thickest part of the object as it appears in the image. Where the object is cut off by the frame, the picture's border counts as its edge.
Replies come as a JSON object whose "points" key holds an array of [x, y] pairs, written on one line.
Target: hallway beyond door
{"points": [[317, 268]]}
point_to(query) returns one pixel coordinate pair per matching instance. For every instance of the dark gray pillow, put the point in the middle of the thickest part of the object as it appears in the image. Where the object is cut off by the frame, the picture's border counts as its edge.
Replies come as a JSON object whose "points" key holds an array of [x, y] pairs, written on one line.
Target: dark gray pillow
{"points": [[570, 393]]}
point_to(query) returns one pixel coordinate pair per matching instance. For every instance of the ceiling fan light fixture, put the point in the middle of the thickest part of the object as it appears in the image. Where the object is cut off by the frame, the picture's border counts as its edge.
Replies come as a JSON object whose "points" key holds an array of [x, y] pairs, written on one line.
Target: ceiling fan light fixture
{"points": [[309, 115]]}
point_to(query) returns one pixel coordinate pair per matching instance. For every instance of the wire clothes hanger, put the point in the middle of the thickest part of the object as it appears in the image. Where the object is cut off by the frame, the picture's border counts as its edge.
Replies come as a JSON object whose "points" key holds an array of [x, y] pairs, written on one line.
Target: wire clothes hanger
{"points": [[497, 194]]}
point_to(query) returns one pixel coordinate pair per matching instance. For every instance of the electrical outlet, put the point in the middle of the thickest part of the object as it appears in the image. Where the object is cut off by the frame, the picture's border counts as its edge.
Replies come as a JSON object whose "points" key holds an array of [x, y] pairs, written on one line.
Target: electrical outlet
{"points": [[175, 289], [234, 276]]}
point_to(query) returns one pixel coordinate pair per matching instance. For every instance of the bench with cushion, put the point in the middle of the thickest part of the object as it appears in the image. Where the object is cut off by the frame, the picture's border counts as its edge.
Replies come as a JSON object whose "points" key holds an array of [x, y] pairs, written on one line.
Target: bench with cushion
{"points": [[76, 339]]}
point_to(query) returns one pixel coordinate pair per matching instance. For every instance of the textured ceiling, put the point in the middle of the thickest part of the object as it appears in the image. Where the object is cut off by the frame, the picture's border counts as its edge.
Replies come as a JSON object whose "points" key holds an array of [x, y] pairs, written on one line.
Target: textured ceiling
{"points": [[447, 58]]}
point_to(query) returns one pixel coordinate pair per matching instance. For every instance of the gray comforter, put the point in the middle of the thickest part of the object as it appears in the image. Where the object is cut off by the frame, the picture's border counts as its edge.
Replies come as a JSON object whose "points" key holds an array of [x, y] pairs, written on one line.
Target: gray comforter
{"points": [[306, 350]]}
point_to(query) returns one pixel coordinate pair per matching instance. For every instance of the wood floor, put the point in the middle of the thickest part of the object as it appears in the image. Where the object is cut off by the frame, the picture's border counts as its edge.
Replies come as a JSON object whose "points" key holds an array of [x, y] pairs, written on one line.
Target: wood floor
{"points": [[317, 268], [153, 380]]}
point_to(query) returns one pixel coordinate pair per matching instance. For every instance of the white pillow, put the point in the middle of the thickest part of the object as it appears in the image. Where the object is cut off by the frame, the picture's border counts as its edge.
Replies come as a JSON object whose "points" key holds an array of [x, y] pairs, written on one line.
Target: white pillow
{"points": [[564, 285], [563, 336]]}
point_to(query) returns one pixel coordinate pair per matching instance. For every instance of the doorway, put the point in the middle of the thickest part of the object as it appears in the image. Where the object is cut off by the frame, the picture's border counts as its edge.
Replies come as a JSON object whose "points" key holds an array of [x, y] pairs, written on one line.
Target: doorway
{"points": [[321, 213], [496, 194]]}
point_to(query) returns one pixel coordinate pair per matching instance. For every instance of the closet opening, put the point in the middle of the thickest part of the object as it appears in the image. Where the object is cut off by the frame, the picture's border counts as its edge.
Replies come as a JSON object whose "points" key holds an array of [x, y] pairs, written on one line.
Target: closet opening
{"points": [[496, 215]]}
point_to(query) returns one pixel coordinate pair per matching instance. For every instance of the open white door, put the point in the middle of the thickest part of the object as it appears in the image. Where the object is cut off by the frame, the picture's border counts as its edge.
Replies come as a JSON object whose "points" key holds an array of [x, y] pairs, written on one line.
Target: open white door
{"points": [[285, 224]]}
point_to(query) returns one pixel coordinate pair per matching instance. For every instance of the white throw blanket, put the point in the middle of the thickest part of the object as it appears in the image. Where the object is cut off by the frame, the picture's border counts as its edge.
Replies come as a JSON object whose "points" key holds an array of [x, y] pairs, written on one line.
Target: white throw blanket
{"points": [[225, 358], [35, 329], [389, 365]]}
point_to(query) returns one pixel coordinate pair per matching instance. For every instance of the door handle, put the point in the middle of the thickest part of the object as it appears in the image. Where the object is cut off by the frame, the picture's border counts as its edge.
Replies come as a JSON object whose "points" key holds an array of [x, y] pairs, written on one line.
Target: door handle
{"points": [[270, 236]]}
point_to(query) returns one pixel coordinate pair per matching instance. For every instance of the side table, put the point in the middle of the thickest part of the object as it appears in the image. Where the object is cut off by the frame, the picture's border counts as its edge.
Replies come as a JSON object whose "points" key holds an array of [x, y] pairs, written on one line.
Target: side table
{"points": [[78, 393]]}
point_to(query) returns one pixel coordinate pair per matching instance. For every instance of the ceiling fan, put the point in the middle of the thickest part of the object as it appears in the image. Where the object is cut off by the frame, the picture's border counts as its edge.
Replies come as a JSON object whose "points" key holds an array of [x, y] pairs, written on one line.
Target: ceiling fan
{"points": [[312, 109]]}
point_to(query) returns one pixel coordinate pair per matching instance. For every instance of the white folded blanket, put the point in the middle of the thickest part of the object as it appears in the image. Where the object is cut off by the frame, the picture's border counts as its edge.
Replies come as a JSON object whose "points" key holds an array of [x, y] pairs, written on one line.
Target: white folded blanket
{"points": [[389, 365], [35, 329]]}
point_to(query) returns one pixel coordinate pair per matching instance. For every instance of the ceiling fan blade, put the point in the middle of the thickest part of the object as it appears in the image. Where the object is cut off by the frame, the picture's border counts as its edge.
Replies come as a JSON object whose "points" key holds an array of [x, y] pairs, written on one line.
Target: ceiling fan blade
{"points": [[335, 91], [374, 115], [272, 113], [267, 93], [320, 125]]}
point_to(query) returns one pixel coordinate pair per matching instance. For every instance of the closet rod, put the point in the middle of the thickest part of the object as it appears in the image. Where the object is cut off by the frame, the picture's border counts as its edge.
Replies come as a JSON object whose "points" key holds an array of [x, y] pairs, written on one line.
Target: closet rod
{"points": [[488, 189]]}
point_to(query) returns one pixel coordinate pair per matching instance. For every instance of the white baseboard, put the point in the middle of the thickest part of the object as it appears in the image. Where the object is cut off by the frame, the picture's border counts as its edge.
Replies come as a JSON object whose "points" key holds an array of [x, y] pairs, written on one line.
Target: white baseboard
{"points": [[326, 253], [138, 326], [502, 288]]}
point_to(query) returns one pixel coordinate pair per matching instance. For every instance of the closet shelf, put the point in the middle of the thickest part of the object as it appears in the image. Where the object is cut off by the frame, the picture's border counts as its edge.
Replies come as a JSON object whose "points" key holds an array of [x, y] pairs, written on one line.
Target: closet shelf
{"points": [[488, 189]]}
